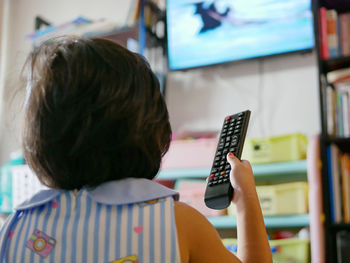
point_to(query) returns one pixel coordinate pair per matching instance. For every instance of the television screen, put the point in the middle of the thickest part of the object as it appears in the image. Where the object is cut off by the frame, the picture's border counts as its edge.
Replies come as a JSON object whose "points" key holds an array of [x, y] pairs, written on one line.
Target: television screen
{"points": [[202, 33]]}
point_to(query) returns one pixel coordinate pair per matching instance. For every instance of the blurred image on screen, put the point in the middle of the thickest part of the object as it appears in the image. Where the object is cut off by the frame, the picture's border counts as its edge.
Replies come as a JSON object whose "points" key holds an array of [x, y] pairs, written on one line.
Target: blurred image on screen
{"points": [[202, 33]]}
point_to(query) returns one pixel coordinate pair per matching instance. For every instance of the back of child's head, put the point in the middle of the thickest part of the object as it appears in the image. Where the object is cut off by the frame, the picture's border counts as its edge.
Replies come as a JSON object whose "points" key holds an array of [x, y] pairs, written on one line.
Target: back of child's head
{"points": [[94, 113]]}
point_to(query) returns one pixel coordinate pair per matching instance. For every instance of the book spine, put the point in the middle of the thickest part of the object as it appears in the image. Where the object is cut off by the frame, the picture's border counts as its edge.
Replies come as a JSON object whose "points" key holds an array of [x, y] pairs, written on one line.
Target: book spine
{"points": [[332, 33], [338, 115], [336, 184], [343, 244], [330, 183], [322, 20], [345, 114], [344, 21], [330, 93], [345, 168]]}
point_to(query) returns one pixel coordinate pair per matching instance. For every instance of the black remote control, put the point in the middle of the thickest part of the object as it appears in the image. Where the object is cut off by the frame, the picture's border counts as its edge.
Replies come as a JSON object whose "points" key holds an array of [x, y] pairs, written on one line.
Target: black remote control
{"points": [[219, 192]]}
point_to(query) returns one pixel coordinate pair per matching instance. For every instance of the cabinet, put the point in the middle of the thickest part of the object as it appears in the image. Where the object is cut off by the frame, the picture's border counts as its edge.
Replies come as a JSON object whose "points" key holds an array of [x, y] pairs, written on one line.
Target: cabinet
{"points": [[329, 138]]}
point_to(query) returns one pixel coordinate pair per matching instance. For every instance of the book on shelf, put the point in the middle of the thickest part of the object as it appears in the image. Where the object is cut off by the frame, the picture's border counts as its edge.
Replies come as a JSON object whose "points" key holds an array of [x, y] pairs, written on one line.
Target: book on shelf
{"points": [[336, 90], [343, 244], [345, 168], [338, 164], [344, 21], [322, 24], [334, 33]]}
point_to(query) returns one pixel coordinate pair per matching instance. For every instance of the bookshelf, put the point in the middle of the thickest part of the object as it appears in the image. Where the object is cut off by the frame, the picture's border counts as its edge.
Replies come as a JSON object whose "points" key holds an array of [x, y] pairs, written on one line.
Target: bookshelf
{"points": [[327, 66], [283, 171]]}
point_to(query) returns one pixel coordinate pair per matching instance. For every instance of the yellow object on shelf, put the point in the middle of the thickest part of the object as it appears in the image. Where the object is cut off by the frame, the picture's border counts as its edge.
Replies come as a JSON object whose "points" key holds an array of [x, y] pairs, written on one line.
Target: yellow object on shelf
{"points": [[289, 250], [281, 199], [275, 149]]}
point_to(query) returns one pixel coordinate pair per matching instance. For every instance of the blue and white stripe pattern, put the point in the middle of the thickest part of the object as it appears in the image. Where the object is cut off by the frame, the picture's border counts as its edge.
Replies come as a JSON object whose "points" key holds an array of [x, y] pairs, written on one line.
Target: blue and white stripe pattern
{"points": [[87, 230]]}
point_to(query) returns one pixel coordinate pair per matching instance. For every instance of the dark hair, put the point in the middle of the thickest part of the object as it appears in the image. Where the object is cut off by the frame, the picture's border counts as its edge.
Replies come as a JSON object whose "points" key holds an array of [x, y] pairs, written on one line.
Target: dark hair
{"points": [[94, 113]]}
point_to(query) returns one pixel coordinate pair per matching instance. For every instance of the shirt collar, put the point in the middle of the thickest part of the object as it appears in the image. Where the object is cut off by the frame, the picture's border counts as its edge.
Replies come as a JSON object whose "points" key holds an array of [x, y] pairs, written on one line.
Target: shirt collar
{"points": [[121, 192]]}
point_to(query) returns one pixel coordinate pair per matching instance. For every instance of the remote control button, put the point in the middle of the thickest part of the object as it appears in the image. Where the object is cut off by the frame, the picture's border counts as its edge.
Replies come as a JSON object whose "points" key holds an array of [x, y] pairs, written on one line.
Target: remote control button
{"points": [[228, 118], [225, 151], [230, 129], [228, 138], [214, 170], [234, 143], [227, 144], [225, 180], [221, 177], [232, 124], [232, 149], [222, 163], [224, 131], [221, 168], [229, 133], [223, 134], [216, 164], [237, 131], [218, 153], [210, 184], [220, 181], [227, 173], [215, 183], [228, 166], [217, 174], [217, 159], [222, 173], [222, 140], [239, 123], [212, 175]]}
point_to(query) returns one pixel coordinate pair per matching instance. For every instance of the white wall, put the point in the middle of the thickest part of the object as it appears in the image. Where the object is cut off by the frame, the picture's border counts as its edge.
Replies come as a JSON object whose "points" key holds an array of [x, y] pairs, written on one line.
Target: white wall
{"points": [[280, 91]]}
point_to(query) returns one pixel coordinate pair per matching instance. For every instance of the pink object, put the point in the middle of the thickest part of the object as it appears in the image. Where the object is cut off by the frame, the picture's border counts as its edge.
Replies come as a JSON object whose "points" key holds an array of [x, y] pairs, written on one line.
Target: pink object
{"points": [[315, 201], [192, 193], [54, 205], [167, 183], [11, 234], [184, 154], [138, 229]]}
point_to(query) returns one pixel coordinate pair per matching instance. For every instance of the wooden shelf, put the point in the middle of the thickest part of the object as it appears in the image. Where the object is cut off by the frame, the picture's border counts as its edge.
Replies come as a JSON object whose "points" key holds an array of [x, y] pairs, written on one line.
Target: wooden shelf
{"points": [[273, 171], [292, 221], [340, 226], [336, 63]]}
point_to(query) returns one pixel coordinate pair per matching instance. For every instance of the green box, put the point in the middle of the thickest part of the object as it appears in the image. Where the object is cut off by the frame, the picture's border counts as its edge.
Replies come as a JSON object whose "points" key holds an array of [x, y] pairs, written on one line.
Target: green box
{"points": [[283, 250]]}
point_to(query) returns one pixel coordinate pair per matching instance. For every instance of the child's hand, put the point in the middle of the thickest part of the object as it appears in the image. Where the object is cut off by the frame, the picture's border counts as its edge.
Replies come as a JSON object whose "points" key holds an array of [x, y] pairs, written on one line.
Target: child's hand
{"points": [[242, 178]]}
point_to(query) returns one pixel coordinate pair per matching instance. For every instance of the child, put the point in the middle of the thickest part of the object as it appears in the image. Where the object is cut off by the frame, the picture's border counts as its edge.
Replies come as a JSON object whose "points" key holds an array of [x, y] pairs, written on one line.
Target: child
{"points": [[96, 128]]}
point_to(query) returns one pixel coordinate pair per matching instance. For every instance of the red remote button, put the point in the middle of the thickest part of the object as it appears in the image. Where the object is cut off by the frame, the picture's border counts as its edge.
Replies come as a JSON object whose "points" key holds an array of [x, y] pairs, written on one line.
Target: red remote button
{"points": [[212, 175], [228, 118]]}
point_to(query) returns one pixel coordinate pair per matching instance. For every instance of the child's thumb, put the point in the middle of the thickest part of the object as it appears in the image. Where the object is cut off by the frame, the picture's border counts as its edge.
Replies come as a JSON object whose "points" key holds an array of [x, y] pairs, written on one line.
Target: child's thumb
{"points": [[232, 159]]}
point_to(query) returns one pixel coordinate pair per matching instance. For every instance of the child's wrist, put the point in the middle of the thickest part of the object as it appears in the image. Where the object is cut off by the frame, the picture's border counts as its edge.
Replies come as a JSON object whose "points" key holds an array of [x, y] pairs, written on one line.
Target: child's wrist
{"points": [[245, 199]]}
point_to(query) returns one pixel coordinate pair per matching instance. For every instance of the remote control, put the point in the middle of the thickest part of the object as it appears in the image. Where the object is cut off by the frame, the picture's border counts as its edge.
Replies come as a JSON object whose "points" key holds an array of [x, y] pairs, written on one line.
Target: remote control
{"points": [[219, 192]]}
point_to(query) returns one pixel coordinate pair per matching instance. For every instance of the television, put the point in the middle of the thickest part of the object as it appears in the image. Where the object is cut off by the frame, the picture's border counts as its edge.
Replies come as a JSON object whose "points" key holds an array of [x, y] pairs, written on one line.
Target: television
{"points": [[202, 33]]}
